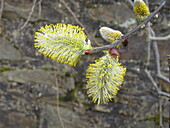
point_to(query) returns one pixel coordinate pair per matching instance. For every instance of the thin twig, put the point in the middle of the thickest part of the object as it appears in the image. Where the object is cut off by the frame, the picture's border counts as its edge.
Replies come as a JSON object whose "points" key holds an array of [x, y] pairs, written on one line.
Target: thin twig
{"points": [[78, 21], [58, 110], [1, 9], [149, 46], [42, 115], [72, 13], [97, 49], [165, 38], [130, 3], [163, 78], [29, 16], [157, 58], [39, 7], [160, 113], [155, 85]]}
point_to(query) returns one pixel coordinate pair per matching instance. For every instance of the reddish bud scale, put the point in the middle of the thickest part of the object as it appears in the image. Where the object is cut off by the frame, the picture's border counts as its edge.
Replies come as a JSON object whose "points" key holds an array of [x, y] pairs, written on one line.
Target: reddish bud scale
{"points": [[114, 53], [88, 52], [125, 42]]}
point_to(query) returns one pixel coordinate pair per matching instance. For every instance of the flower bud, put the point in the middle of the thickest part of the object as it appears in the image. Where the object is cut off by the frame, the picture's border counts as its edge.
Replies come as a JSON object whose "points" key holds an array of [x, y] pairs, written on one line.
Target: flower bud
{"points": [[109, 34], [141, 10], [114, 53]]}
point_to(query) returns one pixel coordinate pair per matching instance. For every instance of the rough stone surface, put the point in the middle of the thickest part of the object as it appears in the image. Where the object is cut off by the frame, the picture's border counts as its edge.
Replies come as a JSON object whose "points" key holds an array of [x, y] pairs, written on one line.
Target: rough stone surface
{"points": [[35, 91], [8, 52]]}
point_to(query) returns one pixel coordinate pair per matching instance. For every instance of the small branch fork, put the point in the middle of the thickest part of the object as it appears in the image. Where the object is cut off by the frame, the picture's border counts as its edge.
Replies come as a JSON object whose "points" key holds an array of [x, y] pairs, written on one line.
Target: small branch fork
{"points": [[157, 59], [97, 49], [151, 34], [152, 39]]}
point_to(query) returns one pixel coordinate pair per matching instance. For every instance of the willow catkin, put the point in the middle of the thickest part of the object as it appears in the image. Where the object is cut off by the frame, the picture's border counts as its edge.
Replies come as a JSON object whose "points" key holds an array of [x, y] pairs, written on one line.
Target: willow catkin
{"points": [[141, 10], [110, 35], [104, 78], [61, 42]]}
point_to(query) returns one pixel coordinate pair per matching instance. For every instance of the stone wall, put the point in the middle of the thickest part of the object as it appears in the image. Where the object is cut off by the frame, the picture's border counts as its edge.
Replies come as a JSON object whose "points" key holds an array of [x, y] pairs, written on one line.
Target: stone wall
{"points": [[28, 88]]}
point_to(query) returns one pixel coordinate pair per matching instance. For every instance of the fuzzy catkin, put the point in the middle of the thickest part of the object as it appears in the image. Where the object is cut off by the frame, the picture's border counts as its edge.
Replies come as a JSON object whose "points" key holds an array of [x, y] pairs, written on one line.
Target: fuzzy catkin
{"points": [[141, 10], [61, 42], [110, 34], [104, 78]]}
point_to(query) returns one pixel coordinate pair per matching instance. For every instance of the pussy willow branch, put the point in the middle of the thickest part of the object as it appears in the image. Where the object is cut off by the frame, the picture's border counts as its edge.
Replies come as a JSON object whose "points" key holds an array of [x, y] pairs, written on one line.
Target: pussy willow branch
{"points": [[97, 49]]}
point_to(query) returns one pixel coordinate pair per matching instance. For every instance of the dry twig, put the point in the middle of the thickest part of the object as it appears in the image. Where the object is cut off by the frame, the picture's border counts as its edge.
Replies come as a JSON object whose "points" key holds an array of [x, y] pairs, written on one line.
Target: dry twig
{"points": [[78, 21], [152, 37], [1, 9], [39, 7], [160, 111], [165, 38], [155, 85], [157, 58], [130, 3], [57, 91], [29, 16]]}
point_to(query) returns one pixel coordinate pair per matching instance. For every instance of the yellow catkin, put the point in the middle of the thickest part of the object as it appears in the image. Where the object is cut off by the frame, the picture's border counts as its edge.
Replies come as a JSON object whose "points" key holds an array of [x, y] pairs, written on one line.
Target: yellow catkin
{"points": [[62, 42], [110, 35], [141, 10], [104, 77]]}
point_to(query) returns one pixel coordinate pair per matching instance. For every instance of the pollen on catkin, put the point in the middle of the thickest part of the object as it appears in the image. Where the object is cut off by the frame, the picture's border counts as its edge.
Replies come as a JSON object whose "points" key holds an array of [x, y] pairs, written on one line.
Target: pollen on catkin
{"points": [[110, 35], [104, 77], [141, 10], [62, 42]]}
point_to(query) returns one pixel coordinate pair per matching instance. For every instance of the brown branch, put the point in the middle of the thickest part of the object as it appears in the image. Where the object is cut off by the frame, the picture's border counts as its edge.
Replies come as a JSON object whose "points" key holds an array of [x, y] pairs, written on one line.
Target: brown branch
{"points": [[97, 49], [1, 9], [29, 16]]}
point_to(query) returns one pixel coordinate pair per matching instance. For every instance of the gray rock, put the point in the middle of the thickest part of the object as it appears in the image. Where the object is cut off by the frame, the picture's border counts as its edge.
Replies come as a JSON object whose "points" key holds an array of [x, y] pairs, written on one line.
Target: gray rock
{"points": [[37, 76], [16, 120], [116, 13], [70, 119], [145, 124], [8, 52]]}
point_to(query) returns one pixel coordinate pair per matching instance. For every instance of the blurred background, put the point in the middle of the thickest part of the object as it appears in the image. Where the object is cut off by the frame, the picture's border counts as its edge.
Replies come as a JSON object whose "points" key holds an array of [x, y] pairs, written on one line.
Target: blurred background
{"points": [[36, 92]]}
